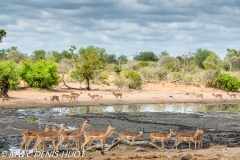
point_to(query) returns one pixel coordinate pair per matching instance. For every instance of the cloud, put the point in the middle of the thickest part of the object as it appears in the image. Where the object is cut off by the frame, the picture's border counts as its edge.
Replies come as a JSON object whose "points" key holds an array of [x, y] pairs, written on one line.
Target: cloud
{"points": [[122, 26]]}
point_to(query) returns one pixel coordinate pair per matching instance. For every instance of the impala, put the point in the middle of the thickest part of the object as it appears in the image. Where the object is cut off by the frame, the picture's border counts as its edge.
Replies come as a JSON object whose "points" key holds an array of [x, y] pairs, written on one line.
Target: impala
{"points": [[198, 95], [232, 95], [48, 136], [117, 95], [75, 135], [190, 137], [98, 135], [217, 95], [95, 96], [54, 98], [130, 135], [65, 96], [29, 136], [76, 94], [162, 137], [200, 140]]}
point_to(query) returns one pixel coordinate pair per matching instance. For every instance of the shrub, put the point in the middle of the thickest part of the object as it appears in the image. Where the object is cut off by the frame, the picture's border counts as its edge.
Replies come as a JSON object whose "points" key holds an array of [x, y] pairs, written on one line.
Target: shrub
{"points": [[42, 74], [141, 64], [227, 82], [10, 68], [120, 81], [134, 79]]}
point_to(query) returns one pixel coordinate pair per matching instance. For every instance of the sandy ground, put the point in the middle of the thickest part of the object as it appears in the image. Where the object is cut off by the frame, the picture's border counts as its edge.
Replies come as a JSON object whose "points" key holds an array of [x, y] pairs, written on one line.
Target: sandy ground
{"points": [[149, 93]]}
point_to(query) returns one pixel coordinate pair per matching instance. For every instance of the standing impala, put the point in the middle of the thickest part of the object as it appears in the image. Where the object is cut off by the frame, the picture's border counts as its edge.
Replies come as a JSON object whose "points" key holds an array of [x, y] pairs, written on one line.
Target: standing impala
{"points": [[75, 135], [117, 95], [217, 95], [98, 135], [161, 137], [190, 137], [29, 136], [130, 135], [48, 136], [94, 96]]}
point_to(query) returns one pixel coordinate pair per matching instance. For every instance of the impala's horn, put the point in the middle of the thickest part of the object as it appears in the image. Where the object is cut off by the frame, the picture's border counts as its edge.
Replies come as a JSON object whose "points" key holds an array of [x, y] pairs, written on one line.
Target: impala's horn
{"points": [[109, 121]]}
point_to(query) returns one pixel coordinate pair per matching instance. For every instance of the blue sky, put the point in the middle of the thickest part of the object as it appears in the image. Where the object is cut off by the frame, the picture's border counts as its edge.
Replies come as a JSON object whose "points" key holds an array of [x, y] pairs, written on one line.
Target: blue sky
{"points": [[122, 26]]}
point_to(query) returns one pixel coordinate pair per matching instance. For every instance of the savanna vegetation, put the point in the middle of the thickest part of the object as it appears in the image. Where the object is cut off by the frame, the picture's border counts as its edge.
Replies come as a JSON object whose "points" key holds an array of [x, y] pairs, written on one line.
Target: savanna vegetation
{"points": [[44, 69]]}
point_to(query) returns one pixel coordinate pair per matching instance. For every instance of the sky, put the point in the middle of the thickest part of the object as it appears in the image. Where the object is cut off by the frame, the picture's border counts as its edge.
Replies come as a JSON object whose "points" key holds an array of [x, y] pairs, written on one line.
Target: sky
{"points": [[122, 26]]}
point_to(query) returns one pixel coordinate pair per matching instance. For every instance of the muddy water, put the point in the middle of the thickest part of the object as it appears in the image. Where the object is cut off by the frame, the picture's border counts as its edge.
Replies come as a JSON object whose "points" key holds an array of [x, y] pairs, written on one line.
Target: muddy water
{"points": [[222, 125]]}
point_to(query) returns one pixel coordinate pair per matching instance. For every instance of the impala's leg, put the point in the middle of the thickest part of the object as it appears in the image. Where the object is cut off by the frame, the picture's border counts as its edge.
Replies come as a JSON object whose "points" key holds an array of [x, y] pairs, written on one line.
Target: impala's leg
{"points": [[23, 142], [102, 146], [28, 143]]}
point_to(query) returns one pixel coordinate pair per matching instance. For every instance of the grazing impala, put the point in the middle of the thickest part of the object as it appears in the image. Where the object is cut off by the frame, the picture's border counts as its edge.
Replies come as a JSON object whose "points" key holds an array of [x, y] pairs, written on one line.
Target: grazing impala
{"points": [[217, 95], [29, 136], [75, 135], [52, 98], [117, 95], [190, 137], [48, 136], [198, 95], [95, 96], [130, 135], [161, 137], [98, 135], [232, 95]]}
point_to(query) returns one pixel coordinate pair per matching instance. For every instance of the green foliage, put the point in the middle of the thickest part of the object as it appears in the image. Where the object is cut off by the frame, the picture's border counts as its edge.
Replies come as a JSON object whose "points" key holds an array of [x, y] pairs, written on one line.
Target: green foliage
{"points": [[170, 63], [42, 74], [146, 56], [211, 62], [10, 68], [134, 78], [39, 54], [120, 81], [142, 64], [227, 82], [177, 75], [103, 76], [3, 33], [200, 56], [90, 65]]}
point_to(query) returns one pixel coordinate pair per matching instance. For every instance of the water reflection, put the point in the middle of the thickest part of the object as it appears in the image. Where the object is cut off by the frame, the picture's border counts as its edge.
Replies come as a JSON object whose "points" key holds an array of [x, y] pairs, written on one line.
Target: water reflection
{"points": [[180, 107]]}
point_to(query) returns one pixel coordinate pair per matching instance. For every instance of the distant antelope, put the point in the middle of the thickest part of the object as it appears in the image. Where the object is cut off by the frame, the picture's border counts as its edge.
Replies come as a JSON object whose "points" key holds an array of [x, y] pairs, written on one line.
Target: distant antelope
{"points": [[217, 95], [76, 94], [232, 95], [198, 95], [117, 95], [52, 98], [162, 137], [95, 96], [65, 96]]}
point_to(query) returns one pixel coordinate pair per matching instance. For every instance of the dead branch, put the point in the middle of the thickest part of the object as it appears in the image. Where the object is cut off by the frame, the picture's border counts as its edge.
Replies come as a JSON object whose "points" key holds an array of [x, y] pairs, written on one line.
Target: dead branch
{"points": [[210, 136], [68, 87], [138, 143]]}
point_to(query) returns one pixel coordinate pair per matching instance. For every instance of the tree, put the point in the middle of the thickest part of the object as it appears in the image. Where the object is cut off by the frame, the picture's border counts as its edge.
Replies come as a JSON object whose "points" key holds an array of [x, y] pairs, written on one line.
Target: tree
{"points": [[3, 33], [211, 62], [233, 58], [10, 68], [42, 74], [39, 55], [170, 63], [89, 67], [146, 56], [164, 53], [55, 56], [201, 55], [15, 56]]}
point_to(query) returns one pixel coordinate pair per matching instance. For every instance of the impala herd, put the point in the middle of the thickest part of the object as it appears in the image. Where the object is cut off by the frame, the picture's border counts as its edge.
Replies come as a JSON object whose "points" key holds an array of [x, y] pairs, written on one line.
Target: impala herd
{"points": [[81, 138]]}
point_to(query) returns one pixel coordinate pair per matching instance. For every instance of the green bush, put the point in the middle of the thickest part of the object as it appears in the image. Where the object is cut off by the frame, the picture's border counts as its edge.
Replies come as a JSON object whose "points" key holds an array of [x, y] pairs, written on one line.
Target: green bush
{"points": [[42, 74], [9, 67], [120, 81], [103, 76], [141, 64], [134, 78], [227, 82]]}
